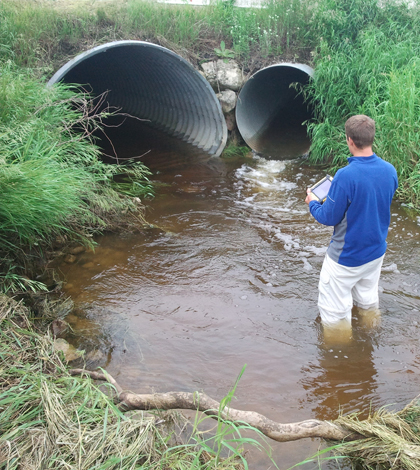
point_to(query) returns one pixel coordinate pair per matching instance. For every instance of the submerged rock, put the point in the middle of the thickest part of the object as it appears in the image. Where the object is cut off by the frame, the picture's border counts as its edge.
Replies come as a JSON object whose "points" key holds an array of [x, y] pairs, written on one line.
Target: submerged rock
{"points": [[95, 356], [77, 250], [69, 351], [70, 259], [59, 328]]}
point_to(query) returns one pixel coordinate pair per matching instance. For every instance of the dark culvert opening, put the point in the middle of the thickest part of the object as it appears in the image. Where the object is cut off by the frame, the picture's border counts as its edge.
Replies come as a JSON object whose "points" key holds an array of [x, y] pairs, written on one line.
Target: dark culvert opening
{"points": [[270, 112], [168, 113]]}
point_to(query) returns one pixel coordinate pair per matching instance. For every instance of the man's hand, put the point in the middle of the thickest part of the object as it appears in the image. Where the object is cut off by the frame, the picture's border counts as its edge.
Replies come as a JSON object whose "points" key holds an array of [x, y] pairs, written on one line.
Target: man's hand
{"points": [[310, 197]]}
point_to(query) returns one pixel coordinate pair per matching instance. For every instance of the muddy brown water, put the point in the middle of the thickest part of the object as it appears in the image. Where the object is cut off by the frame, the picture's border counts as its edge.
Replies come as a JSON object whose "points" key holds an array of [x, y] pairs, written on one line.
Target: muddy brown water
{"points": [[227, 277]]}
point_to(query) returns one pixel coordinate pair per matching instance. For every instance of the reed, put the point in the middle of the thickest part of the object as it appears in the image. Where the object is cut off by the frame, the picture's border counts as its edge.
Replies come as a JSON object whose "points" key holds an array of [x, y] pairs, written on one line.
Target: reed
{"points": [[398, 120]]}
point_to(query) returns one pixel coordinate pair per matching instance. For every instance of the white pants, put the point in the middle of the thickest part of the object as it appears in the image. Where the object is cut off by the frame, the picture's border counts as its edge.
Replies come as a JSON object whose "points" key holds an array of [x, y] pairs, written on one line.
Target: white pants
{"points": [[341, 286]]}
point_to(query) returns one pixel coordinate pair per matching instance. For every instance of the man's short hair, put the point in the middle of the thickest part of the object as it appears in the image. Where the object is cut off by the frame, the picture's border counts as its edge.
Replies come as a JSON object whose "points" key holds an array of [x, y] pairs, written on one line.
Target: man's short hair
{"points": [[361, 129]]}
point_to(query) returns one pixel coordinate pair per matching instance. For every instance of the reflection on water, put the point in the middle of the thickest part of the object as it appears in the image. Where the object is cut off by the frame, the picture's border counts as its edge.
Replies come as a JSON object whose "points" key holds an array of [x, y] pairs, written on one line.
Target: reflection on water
{"points": [[228, 276], [345, 381]]}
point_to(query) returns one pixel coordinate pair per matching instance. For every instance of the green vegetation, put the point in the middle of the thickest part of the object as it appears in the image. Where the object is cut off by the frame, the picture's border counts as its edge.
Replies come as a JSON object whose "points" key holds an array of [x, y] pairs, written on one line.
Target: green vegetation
{"points": [[222, 446], [52, 181], [367, 63], [233, 150], [223, 52], [44, 33]]}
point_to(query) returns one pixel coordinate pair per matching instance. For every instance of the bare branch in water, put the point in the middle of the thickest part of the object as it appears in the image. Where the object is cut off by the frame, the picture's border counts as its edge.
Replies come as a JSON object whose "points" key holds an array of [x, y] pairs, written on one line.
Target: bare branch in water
{"points": [[202, 402]]}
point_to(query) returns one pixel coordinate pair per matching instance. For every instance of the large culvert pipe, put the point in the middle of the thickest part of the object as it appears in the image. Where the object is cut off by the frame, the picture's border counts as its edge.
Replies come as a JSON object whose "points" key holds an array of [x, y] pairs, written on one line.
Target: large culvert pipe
{"points": [[270, 112], [152, 83]]}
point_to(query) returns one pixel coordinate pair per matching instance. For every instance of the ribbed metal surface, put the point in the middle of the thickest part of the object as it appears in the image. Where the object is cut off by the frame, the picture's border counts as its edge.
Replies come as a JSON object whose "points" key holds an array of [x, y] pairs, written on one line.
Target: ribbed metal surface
{"points": [[153, 83], [266, 95]]}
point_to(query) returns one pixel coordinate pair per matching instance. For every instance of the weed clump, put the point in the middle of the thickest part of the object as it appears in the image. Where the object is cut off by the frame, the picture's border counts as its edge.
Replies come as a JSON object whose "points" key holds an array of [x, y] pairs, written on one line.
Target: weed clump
{"points": [[392, 439], [367, 63]]}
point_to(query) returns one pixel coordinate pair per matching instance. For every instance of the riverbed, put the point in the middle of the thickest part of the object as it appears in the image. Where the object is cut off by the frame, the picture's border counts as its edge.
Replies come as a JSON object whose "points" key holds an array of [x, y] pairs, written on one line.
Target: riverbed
{"points": [[226, 276]]}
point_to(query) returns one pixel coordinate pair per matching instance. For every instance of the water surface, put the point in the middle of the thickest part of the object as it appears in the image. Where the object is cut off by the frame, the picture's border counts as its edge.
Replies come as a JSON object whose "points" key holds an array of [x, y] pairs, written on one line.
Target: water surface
{"points": [[227, 277]]}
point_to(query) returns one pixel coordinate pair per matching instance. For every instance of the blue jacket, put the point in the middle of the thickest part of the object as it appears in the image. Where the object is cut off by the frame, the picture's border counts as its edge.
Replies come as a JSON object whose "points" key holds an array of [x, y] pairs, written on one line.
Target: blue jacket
{"points": [[358, 206]]}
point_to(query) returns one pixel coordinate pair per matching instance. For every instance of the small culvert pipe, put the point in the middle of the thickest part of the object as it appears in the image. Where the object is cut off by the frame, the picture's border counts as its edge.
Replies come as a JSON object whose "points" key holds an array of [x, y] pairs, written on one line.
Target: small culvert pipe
{"points": [[151, 82], [270, 111]]}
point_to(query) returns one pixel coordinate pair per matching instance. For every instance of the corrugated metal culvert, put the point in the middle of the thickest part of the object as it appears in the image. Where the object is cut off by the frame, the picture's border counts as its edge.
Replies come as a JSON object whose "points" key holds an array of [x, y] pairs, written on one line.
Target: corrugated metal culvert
{"points": [[270, 111], [151, 82]]}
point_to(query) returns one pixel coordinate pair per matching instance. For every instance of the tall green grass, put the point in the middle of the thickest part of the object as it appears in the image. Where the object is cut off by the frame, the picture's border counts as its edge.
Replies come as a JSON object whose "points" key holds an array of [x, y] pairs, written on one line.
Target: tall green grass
{"points": [[40, 34], [269, 31], [37, 34], [374, 71], [52, 180], [278, 28]]}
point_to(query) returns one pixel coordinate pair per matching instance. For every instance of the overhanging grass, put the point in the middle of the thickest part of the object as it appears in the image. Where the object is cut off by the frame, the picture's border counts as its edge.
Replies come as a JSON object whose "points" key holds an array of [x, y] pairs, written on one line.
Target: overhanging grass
{"points": [[51, 171], [50, 419], [52, 179]]}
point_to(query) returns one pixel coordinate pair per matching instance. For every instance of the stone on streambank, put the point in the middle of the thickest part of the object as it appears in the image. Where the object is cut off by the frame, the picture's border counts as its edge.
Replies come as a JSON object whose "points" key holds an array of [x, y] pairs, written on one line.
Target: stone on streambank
{"points": [[228, 100], [226, 78], [223, 75]]}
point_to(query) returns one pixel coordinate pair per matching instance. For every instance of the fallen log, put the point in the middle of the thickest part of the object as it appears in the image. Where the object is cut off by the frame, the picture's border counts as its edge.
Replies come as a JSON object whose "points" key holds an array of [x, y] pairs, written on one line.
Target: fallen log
{"points": [[202, 402]]}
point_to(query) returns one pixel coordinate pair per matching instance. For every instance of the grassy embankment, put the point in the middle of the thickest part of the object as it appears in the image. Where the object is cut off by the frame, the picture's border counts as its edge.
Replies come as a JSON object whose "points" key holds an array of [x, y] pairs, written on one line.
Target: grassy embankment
{"points": [[367, 62], [53, 184]]}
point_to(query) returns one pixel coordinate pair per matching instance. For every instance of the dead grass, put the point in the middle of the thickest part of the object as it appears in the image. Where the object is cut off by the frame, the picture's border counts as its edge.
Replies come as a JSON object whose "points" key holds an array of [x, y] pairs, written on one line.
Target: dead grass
{"points": [[50, 419], [392, 439]]}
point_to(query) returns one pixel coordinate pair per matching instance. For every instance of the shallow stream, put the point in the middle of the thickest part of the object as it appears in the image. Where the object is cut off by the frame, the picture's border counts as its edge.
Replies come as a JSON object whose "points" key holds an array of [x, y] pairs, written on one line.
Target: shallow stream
{"points": [[228, 277]]}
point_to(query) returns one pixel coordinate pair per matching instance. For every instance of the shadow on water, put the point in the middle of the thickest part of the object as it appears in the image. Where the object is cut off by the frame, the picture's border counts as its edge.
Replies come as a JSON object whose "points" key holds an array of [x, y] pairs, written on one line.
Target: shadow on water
{"points": [[228, 276], [125, 137]]}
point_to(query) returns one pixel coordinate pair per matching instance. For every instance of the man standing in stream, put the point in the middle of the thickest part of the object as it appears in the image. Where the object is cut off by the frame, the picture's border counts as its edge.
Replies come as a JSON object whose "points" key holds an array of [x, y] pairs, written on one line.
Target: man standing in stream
{"points": [[358, 206]]}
